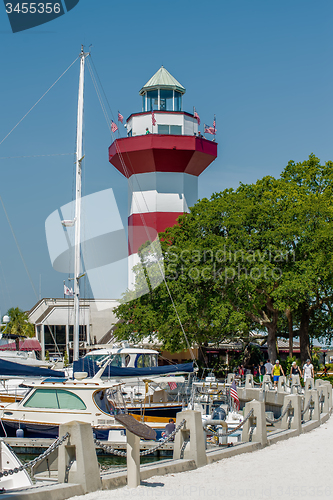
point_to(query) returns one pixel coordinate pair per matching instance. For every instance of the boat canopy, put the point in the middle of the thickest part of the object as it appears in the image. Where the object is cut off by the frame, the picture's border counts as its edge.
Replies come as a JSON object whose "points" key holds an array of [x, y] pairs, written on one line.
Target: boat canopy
{"points": [[89, 366], [9, 368], [24, 345]]}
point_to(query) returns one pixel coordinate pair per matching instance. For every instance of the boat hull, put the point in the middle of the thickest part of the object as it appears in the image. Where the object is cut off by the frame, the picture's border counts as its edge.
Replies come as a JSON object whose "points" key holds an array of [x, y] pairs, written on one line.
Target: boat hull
{"points": [[38, 430]]}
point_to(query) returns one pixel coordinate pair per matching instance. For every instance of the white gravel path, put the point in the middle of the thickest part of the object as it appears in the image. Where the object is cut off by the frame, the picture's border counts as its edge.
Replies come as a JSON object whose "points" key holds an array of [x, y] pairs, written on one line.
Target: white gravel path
{"points": [[300, 467]]}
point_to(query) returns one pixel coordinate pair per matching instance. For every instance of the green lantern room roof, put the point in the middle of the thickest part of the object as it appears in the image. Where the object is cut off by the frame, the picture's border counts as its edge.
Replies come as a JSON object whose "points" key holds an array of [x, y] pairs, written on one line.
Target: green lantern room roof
{"points": [[162, 80]]}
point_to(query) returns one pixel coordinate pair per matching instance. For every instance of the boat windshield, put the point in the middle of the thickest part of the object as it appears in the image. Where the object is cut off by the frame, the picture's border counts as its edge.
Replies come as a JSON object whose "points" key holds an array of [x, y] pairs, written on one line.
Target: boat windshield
{"points": [[116, 358], [146, 360], [101, 401], [56, 399]]}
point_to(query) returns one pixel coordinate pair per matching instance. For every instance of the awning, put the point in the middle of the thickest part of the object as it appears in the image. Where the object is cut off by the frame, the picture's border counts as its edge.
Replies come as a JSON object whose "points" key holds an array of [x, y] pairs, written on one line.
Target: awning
{"points": [[24, 345]]}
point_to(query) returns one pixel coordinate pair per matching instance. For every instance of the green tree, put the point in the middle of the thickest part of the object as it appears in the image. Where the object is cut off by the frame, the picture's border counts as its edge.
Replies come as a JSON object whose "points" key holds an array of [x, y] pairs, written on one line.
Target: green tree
{"points": [[19, 323], [243, 260]]}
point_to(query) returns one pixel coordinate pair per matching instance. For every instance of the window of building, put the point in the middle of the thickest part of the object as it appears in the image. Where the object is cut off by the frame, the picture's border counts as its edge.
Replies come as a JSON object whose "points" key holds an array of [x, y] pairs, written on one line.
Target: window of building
{"points": [[178, 101], [166, 100], [57, 399], [82, 333], [152, 100], [170, 129]]}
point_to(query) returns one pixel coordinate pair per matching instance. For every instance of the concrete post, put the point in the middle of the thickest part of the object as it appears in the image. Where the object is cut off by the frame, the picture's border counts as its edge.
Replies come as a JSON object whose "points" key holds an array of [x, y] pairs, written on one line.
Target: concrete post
{"points": [[281, 384], [295, 412], [323, 398], [77, 460], [249, 381], [319, 384], [192, 430], [133, 460], [258, 419], [295, 384], [267, 382], [309, 384], [230, 378], [315, 413]]}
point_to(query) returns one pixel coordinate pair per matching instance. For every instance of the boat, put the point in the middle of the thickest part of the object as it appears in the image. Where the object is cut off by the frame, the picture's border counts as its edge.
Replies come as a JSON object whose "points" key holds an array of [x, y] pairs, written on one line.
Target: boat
{"points": [[53, 401], [212, 399], [9, 461]]}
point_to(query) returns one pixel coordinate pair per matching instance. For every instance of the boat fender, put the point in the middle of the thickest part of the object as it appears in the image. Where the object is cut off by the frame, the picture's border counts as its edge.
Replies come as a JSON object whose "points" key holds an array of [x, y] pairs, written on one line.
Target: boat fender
{"points": [[19, 433]]}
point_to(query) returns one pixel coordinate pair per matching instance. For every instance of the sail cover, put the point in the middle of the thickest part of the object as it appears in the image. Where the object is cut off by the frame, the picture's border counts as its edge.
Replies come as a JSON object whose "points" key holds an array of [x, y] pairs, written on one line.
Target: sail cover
{"points": [[9, 368], [89, 366]]}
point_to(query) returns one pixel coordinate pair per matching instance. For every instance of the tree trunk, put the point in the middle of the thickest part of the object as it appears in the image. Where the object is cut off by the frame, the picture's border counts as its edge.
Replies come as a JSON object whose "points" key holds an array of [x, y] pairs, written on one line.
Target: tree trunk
{"points": [[304, 333], [271, 341], [291, 331]]}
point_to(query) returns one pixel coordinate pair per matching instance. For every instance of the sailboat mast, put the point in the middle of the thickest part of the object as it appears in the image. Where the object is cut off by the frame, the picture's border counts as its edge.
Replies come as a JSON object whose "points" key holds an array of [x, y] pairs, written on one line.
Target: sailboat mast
{"points": [[77, 255]]}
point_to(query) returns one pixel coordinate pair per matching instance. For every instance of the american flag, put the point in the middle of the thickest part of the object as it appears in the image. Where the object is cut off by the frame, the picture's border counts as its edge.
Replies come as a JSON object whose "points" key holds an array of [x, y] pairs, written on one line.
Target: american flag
{"points": [[196, 116], [114, 126], [210, 130], [214, 122], [120, 117], [233, 393], [153, 119], [172, 385]]}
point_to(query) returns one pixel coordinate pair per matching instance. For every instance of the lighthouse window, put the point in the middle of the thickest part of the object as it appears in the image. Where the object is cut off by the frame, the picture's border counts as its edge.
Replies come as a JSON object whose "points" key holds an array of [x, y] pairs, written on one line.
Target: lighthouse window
{"points": [[175, 129], [170, 129], [166, 100], [152, 100], [178, 101], [163, 129]]}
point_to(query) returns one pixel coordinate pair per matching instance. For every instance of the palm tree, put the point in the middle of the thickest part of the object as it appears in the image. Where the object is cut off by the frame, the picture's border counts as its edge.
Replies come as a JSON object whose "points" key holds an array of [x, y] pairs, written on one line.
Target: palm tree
{"points": [[19, 323]]}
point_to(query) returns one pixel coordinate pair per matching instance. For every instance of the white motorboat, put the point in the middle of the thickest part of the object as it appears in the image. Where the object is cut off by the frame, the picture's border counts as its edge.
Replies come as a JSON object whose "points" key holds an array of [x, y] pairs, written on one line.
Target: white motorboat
{"points": [[51, 402], [9, 461]]}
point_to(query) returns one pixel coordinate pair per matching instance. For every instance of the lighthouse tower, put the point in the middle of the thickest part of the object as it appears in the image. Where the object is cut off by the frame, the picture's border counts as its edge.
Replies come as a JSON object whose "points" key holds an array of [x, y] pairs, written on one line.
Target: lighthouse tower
{"points": [[162, 158]]}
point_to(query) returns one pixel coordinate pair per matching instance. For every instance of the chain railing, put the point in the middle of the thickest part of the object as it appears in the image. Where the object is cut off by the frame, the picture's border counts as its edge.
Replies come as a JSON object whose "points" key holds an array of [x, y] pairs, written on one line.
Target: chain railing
{"points": [[112, 451], [274, 420], [166, 440], [35, 461], [211, 431], [182, 450], [321, 401], [307, 407]]}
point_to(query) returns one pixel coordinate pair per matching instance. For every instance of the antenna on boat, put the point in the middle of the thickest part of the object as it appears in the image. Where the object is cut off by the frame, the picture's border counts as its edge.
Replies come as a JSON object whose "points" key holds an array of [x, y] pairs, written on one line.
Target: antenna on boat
{"points": [[77, 255]]}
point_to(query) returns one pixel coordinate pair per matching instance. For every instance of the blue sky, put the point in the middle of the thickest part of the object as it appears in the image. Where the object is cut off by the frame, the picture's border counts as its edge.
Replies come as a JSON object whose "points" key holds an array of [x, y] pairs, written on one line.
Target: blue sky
{"points": [[263, 67]]}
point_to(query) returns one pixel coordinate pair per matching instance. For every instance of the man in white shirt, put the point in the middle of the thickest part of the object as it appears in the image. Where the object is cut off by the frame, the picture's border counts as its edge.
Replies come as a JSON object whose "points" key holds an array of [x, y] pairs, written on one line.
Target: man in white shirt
{"points": [[268, 367], [308, 370]]}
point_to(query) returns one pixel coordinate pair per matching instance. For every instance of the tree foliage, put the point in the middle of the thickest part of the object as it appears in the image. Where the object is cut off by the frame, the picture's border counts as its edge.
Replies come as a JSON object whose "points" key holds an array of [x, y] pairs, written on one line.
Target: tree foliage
{"points": [[19, 323], [246, 258]]}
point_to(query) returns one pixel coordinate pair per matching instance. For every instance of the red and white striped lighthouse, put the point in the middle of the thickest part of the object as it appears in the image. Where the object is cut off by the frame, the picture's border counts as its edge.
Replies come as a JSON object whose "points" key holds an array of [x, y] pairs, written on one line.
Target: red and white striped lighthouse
{"points": [[162, 158]]}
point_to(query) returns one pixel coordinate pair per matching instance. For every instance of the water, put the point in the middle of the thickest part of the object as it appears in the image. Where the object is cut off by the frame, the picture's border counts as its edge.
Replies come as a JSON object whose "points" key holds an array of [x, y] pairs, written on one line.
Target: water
{"points": [[107, 461]]}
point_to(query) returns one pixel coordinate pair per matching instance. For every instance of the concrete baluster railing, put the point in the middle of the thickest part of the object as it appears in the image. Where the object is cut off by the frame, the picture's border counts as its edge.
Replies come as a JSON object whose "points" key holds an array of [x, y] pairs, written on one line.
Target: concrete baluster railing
{"points": [[254, 429], [193, 433], [293, 417], [77, 460]]}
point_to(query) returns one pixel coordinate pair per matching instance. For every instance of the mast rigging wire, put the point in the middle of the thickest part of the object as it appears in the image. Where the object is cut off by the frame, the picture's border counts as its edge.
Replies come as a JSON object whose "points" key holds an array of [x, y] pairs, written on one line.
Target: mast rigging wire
{"points": [[38, 101]]}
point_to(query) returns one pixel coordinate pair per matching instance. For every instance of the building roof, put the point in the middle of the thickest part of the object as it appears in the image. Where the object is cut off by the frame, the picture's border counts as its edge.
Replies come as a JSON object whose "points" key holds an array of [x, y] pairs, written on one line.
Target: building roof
{"points": [[162, 80]]}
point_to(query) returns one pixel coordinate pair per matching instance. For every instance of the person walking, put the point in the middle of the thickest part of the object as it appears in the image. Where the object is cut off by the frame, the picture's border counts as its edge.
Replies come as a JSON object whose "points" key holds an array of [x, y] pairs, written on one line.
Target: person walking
{"points": [[262, 371], [277, 371], [308, 370], [294, 370], [268, 368]]}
